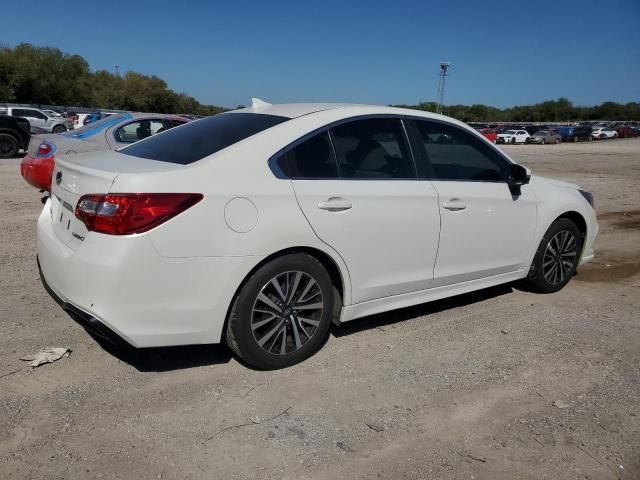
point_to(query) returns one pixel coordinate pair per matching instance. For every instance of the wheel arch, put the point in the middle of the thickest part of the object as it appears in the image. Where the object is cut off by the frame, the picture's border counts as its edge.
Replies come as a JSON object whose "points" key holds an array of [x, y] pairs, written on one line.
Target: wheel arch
{"points": [[580, 222], [339, 279], [11, 133]]}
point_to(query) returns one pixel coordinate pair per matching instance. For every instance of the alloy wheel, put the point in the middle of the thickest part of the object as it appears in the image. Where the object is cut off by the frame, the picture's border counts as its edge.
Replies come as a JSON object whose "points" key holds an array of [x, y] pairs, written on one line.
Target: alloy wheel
{"points": [[286, 312], [559, 257]]}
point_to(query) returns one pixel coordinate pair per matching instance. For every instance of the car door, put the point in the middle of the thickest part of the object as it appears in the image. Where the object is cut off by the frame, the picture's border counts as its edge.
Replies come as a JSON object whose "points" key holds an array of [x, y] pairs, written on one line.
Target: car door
{"points": [[36, 118], [357, 187], [485, 229]]}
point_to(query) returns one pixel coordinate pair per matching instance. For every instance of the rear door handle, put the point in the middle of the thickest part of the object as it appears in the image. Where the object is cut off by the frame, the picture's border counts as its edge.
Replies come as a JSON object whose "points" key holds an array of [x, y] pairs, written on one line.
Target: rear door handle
{"points": [[454, 205], [335, 204]]}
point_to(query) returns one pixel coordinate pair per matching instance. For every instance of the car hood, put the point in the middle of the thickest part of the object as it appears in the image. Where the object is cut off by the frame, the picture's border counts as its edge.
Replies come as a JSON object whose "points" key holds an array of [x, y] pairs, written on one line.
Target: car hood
{"points": [[557, 183]]}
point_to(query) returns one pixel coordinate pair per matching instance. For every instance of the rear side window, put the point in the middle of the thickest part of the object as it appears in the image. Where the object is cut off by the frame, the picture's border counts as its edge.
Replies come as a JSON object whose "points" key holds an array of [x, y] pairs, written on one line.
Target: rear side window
{"points": [[202, 138], [312, 158], [374, 148], [135, 131], [457, 155]]}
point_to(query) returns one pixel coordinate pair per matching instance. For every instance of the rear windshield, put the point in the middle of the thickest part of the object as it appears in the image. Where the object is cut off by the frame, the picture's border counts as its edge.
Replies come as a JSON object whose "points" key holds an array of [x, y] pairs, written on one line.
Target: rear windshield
{"points": [[199, 139]]}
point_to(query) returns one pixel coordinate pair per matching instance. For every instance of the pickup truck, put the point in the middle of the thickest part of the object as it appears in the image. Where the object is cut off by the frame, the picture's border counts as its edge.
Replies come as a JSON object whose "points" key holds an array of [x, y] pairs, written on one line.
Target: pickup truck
{"points": [[14, 135]]}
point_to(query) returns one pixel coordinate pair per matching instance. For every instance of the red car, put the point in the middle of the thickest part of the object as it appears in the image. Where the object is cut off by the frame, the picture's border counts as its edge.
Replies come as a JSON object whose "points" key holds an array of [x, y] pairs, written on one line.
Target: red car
{"points": [[627, 132], [489, 133]]}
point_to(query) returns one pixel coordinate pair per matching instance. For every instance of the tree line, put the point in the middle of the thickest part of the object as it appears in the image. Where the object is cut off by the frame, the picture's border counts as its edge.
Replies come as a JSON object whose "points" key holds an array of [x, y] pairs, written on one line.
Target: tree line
{"points": [[560, 110], [47, 76]]}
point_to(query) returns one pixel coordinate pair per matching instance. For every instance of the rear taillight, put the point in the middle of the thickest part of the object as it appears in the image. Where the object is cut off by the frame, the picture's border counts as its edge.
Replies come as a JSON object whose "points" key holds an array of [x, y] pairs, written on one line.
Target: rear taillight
{"points": [[46, 149], [128, 213], [37, 171]]}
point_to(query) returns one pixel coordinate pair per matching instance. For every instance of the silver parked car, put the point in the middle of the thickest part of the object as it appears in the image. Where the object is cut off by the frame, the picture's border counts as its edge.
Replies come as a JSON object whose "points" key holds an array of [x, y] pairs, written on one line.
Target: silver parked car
{"points": [[110, 133], [40, 120], [545, 136]]}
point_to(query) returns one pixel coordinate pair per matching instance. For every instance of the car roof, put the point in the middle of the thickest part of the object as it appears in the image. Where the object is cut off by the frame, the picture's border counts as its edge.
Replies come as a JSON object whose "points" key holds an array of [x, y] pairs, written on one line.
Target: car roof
{"points": [[343, 110], [291, 110]]}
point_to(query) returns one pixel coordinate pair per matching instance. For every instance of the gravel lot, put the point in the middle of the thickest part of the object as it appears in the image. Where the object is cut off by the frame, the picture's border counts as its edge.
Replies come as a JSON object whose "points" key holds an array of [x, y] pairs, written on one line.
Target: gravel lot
{"points": [[498, 384]]}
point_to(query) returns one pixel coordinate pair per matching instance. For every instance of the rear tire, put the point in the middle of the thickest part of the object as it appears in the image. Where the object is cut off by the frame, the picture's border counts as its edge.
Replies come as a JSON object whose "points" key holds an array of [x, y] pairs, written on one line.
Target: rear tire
{"points": [[556, 258], [59, 129], [266, 327], [8, 146]]}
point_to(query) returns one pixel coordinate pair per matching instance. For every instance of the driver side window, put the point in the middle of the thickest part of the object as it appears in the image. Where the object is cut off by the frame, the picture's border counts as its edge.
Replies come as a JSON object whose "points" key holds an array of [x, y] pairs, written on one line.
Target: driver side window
{"points": [[457, 155]]}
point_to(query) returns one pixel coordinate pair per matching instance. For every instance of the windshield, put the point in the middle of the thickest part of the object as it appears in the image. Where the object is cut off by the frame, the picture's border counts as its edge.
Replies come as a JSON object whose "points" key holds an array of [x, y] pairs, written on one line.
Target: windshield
{"points": [[510, 132], [199, 139]]}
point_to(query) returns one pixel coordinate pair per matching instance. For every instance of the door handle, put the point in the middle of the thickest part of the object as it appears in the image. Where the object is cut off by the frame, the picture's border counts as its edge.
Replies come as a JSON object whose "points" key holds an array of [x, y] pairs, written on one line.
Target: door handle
{"points": [[335, 204], [454, 205]]}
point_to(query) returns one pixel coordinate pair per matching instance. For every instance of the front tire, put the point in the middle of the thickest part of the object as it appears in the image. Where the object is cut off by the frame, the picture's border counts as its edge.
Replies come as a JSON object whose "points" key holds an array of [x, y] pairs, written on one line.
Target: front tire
{"points": [[8, 146], [282, 314], [557, 257]]}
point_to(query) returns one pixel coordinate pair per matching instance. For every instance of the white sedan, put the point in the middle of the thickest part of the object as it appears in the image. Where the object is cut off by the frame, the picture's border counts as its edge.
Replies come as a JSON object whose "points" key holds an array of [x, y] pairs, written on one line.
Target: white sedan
{"points": [[603, 132], [262, 226], [513, 136]]}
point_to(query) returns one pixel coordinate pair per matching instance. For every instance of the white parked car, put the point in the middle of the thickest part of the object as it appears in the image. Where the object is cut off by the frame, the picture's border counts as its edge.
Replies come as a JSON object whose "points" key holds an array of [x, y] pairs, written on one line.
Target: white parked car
{"points": [[262, 226], [513, 136], [603, 132], [79, 120]]}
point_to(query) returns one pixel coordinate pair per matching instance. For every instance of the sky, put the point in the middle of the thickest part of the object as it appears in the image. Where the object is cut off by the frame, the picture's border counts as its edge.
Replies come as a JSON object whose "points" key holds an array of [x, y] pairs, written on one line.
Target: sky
{"points": [[380, 52]]}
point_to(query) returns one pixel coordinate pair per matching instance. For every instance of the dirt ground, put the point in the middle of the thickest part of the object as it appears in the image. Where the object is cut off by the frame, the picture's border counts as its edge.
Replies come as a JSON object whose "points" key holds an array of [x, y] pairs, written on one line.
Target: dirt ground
{"points": [[499, 384]]}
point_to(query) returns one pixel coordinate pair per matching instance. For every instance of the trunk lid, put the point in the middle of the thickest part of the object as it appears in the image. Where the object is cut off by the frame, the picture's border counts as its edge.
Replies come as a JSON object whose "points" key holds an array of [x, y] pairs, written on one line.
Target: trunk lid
{"points": [[77, 175]]}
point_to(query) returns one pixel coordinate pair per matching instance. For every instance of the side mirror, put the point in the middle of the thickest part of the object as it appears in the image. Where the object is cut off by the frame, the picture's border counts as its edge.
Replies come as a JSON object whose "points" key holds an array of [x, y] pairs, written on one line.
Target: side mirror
{"points": [[517, 177]]}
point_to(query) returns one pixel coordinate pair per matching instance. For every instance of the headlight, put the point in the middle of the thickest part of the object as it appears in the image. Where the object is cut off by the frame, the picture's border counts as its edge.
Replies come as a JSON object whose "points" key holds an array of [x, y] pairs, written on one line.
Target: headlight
{"points": [[588, 196]]}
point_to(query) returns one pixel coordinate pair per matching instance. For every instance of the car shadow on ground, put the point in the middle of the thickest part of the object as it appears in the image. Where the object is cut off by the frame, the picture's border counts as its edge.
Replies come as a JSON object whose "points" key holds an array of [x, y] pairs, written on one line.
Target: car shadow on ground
{"points": [[164, 359], [395, 316]]}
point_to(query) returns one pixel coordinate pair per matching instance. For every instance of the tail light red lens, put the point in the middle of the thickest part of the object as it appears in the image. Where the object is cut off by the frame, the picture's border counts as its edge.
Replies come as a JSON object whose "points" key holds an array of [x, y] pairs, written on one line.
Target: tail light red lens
{"points": [[129, 213], [38, 171], [45, 149]]}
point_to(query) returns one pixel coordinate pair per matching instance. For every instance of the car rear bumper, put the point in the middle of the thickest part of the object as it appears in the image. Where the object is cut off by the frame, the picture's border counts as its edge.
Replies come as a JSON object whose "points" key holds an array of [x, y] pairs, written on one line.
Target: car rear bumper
{"points": [[37, 171], [123, 288], [91, 324]]}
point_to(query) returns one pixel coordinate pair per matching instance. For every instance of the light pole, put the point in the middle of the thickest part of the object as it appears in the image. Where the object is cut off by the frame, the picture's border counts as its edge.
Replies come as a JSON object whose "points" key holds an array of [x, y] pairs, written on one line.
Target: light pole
{"points": [[444, 68]]}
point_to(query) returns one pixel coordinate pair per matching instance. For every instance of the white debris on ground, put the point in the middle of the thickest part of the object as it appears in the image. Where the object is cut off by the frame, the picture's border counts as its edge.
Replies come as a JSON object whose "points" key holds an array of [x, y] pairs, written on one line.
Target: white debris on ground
{"points": [[47, 355]]}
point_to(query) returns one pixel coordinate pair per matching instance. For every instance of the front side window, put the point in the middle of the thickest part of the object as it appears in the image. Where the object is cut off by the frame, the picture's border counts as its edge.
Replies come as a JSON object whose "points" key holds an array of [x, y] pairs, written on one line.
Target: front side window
{"points": [[34, 114], [313, 158], [457, 155], [373, 148], [202, 138]]}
